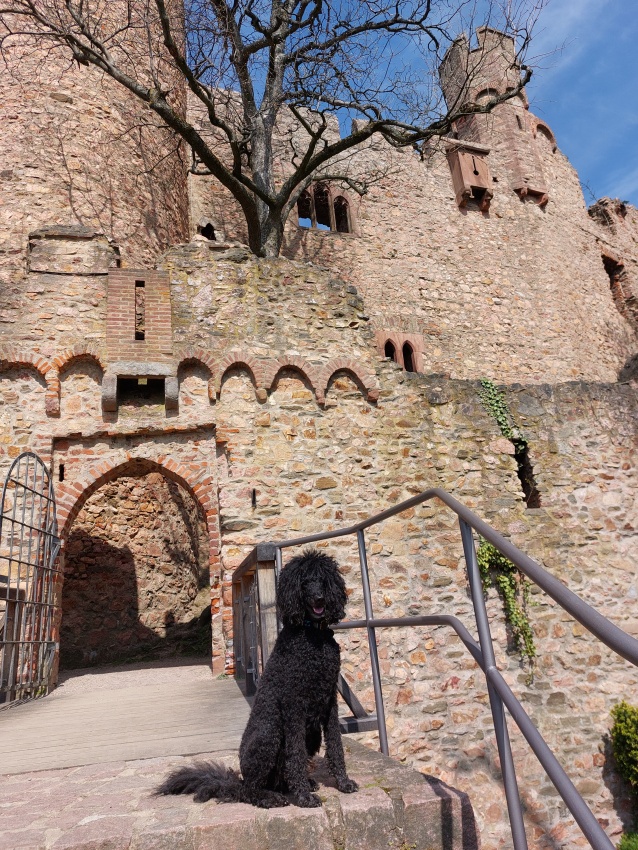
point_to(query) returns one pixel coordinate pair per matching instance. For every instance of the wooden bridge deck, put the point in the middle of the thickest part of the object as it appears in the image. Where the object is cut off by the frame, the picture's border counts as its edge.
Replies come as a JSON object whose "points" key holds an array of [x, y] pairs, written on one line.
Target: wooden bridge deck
{"points": [[122, 714]]}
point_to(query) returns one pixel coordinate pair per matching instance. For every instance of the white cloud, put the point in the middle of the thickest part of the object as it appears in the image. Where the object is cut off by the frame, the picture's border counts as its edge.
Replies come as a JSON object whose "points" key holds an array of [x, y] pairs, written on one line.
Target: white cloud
{"points": [[565, 29]]}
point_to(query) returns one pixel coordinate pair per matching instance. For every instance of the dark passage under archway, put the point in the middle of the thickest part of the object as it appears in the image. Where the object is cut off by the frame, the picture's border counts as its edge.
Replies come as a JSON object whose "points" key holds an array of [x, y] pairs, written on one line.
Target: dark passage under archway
{"points": [[136, 582]]}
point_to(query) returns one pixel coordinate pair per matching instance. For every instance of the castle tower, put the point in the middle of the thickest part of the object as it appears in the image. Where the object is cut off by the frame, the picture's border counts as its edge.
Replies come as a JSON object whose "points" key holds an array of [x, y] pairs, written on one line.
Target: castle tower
{"points": [[475, 75]]}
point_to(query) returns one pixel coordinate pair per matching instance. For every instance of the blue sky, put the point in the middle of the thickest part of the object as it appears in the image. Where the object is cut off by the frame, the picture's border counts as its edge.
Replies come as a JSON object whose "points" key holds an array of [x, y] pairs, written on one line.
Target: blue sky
{"points": [[586, 88]]}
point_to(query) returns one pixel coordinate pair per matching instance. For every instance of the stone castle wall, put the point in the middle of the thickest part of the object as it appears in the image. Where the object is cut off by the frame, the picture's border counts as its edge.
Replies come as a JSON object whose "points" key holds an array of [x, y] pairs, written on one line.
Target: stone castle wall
{"points": [[281, 391], [517, 293], [77, 149], [284, 417]]}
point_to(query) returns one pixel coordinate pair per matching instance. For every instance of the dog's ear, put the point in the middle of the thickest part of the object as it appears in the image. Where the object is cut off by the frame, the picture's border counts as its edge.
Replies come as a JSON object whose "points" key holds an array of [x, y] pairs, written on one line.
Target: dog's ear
{"points": [[334, 592], [290, 601]]}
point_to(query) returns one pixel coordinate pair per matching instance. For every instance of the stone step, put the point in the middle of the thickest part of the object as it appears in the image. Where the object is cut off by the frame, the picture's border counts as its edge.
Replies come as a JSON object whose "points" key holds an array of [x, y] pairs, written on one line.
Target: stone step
{"points": [[111, 807]]}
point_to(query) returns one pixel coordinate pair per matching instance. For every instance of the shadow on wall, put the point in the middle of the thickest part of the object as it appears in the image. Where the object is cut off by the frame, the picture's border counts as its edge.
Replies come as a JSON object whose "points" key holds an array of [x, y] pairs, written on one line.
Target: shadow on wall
{"points": [[625, 804], [100, 613], [136, 581], [629, 371]]}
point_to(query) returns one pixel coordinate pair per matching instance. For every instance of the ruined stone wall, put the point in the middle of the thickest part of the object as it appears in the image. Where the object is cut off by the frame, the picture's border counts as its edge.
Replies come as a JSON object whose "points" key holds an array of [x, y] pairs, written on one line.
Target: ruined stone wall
{"points": [[79, 149], [617, 235], [281, 391], [516, 293]]}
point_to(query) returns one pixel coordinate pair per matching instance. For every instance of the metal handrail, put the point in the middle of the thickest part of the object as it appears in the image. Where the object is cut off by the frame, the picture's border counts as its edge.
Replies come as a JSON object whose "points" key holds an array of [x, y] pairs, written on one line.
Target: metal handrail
{"points": [[499, 692], [615, 638]]}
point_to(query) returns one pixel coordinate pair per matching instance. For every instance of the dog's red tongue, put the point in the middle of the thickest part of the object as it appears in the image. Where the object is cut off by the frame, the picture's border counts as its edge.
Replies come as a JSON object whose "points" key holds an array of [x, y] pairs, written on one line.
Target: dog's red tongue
{"points": [[317, 611]]}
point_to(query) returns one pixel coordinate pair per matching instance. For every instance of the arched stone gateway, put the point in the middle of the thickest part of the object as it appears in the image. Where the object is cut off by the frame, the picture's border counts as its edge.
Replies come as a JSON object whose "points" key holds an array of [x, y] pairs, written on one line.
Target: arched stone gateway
{"points": [[141, 544]]}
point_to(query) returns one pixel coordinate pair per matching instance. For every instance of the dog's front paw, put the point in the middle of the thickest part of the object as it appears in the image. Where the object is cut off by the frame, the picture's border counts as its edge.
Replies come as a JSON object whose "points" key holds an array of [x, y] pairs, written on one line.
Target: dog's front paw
{"points": [[314, 786], [347, 786], [307, 801]]}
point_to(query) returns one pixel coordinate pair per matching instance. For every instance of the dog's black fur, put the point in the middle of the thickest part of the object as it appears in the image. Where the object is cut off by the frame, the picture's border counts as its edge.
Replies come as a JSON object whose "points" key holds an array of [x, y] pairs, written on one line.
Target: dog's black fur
{"points": [[296, 701]]}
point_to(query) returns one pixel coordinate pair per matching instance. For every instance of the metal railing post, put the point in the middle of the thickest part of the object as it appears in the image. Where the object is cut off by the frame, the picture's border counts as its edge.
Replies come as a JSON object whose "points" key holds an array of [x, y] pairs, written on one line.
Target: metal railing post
{"points": [[500, 693], [372, 643], [496, 703]]}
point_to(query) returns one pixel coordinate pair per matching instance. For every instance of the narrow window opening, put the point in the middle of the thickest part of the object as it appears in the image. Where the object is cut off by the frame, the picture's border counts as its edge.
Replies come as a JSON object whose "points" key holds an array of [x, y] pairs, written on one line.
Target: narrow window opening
{"points": [[519, 122], [478, 195], [304, 210], [61, 472], [342, 217], [616, 274], [390, 351], [322, 207], [138, 392], [140, 310], [208, 231], [408, 358], [253, 498], [531, 492]]}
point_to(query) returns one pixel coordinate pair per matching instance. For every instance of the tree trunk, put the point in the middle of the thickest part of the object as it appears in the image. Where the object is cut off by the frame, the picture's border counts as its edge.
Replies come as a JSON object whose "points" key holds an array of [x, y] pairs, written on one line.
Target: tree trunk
{"points": [[272, 234]]}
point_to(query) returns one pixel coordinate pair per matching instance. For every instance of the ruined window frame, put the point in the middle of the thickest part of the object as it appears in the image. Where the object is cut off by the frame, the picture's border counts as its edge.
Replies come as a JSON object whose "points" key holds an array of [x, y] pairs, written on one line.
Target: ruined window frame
{"points": [[328, 212]]}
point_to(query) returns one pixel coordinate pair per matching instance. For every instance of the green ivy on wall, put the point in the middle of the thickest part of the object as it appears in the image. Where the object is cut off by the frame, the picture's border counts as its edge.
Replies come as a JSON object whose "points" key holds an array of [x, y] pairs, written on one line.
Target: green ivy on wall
{"points": [[498, 571], [494, 402]]}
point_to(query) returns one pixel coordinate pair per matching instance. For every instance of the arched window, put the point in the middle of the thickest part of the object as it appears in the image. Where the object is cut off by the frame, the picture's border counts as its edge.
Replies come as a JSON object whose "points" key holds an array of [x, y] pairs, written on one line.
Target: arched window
{"points": [[390, 351], [342, 215], [322, 206], [304, 209], [408, 357], [316, 207], [485, 95]]}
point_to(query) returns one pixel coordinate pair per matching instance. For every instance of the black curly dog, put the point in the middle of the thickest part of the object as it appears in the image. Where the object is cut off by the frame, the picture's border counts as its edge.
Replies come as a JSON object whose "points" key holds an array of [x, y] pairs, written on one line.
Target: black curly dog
{"points": [[296, 701]]}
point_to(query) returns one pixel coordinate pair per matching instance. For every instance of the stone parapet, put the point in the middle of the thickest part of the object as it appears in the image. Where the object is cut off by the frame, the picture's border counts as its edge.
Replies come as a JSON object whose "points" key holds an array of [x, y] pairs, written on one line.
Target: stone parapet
{"points": [[111, 806]]}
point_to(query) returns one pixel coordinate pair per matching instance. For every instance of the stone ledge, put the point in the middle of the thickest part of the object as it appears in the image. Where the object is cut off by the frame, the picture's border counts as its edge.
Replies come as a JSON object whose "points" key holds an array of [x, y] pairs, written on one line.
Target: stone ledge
{"points": [[110, 807]]}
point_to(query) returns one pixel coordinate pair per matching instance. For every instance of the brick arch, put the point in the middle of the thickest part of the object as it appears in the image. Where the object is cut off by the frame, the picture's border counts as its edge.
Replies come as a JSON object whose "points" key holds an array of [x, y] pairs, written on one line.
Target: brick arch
{"points": [[310, 373], [245, 360], [12, 356], [78, 352], [365, 381], [71, 498], [205, 358], [18, 357], [59, 364]]}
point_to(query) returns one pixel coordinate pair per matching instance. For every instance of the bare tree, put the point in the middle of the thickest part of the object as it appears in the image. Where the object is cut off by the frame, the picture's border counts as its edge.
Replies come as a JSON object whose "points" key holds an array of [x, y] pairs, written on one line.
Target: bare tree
{"points": [[270, 75]]}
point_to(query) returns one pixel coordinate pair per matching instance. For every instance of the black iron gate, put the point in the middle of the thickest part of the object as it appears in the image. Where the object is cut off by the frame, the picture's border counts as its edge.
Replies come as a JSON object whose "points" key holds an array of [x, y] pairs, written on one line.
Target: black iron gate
{"points": [[30, 580]]}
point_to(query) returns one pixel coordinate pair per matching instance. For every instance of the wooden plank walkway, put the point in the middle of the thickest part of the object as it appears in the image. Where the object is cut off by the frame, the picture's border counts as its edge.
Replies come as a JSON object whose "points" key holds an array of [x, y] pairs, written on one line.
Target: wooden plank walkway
{"points": [[122, 714]]}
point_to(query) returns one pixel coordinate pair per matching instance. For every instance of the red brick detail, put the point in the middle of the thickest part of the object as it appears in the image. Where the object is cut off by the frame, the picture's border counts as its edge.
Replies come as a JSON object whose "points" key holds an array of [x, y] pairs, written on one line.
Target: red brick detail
{"points": [[207, 359], [79, 352], [197, 355], [14, 356], [120, 318], [52, 395], [366, 381], [241, 358], [71, 496], [399, 339], [311, 373]]}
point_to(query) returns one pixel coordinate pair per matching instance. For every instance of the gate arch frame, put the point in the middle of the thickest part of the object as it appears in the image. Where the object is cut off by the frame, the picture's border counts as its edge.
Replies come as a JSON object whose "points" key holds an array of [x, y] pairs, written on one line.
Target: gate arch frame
{"points": [[74, 495]]}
